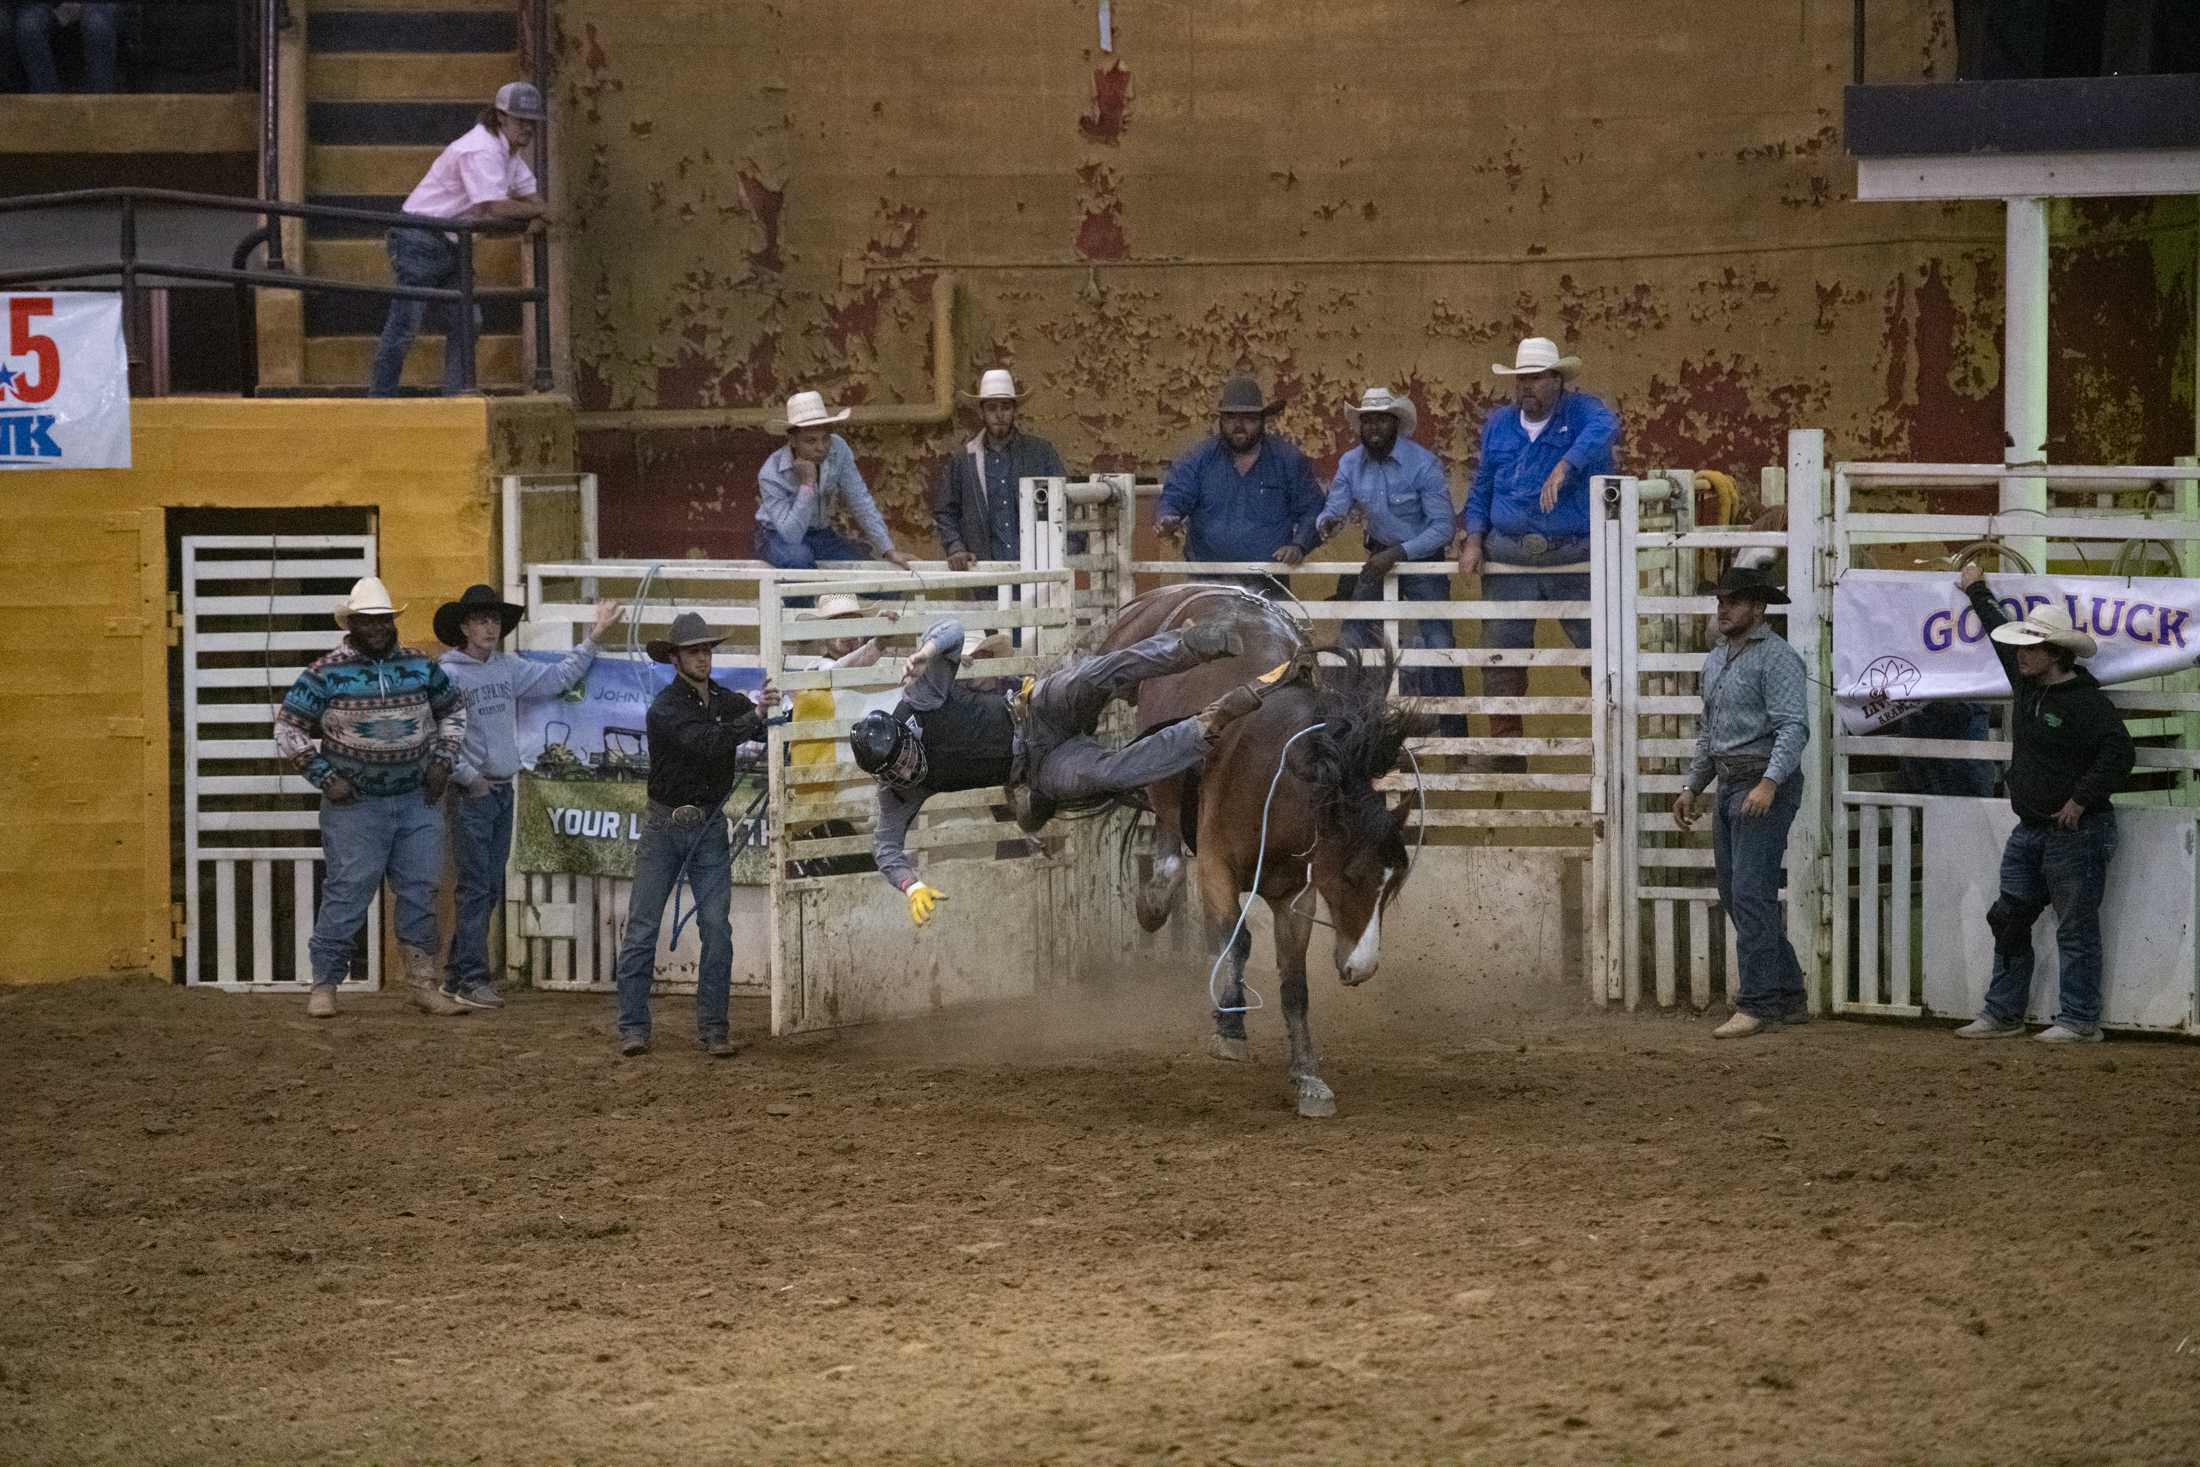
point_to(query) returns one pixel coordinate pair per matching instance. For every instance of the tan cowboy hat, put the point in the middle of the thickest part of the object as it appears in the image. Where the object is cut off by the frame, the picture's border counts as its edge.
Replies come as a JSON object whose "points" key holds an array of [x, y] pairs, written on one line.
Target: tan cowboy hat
{"points": [[997, 383], [2049, 624], [688, 630], [807, 410], [369, 597], [829, 607], [1537, 354], [1383, 400]]}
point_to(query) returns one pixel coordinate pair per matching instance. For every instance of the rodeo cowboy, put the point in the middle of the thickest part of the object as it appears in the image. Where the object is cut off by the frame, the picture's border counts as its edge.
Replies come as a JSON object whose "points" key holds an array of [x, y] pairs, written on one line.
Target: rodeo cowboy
{"points": [[1037, 739]]}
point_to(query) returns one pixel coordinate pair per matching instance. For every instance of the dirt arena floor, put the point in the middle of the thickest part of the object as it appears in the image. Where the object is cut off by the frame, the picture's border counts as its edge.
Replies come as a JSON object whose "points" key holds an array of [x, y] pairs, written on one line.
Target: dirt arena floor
{"points": [[1054, 1232]]}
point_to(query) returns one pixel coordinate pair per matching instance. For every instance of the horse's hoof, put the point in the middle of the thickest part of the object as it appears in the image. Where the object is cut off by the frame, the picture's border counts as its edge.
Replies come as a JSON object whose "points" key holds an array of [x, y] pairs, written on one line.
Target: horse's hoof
{"points": [[1227, 1049], [1153, 918], [1318, 1107]]}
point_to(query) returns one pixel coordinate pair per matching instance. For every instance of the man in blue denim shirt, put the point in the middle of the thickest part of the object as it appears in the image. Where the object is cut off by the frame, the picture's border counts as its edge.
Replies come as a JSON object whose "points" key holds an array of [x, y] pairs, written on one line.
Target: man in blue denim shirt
{"points": [[1529, 505], [1243, 494], [809, 489], [1396, 488]]}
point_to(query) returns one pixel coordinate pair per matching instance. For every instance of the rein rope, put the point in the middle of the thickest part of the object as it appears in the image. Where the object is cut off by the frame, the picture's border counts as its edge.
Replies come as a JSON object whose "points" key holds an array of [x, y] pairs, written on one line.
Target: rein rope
{"points": [[1245, 904]]}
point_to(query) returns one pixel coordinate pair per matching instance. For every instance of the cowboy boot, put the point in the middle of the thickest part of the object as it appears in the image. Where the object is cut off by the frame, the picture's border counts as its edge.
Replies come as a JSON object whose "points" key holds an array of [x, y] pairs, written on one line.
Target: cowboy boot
{"points": [[422, 986], [1032, 809], [1210, 640], [1247, 697]]}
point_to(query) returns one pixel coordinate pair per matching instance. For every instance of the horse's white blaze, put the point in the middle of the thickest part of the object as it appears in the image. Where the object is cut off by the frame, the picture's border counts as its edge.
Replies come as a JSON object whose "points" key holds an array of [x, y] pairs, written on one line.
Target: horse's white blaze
{"points": [[1368, 951]]}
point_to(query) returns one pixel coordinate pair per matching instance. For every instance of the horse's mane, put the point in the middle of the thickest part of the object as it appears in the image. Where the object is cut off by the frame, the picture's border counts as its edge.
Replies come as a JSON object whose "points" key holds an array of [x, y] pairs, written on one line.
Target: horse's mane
{"points": [[1363, 738]]}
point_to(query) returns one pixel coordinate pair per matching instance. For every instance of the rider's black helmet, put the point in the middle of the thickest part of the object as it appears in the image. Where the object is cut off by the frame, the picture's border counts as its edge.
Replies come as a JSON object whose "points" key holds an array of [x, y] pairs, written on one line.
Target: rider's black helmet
{"points": [[888, 749]]}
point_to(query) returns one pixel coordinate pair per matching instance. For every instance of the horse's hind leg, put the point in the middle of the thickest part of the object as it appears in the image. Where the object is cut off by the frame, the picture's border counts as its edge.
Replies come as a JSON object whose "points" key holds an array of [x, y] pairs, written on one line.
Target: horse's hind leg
{"points": [[1219, 900], [1157, 895], [1316, 1100]]}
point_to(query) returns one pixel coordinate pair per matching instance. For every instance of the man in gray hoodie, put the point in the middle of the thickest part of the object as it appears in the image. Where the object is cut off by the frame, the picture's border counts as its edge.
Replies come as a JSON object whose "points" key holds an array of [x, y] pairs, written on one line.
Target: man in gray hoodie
{"points": [[493, 682]]}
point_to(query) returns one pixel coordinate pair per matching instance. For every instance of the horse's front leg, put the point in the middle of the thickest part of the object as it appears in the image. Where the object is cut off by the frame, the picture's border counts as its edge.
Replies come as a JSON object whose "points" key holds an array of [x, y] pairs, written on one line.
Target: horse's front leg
{"points": [[1293, 928], [1218, 900]]}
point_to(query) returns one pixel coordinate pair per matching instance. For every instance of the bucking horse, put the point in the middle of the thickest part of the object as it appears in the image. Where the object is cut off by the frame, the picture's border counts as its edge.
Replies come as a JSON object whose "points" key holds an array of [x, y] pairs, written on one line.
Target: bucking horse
{"points": [[1288, 792]]}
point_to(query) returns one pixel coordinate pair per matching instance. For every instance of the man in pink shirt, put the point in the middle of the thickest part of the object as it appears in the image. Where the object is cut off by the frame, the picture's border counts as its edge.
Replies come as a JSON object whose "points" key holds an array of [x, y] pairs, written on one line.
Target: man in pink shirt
{"points": [[484, 175]]}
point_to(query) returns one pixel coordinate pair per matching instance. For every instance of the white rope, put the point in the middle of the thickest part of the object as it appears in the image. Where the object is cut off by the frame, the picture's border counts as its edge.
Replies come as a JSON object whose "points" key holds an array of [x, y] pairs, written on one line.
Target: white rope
{"points": [[1245, 904]]}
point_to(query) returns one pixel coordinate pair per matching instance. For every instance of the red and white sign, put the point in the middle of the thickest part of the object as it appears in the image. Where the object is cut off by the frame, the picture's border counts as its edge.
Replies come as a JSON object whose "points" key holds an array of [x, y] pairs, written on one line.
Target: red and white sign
{"points": [[64, 382]]}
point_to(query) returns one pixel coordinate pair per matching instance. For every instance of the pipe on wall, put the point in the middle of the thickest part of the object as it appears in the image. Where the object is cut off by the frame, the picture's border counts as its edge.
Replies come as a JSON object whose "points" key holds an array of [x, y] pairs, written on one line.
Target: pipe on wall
{"points": [[940, 409]]}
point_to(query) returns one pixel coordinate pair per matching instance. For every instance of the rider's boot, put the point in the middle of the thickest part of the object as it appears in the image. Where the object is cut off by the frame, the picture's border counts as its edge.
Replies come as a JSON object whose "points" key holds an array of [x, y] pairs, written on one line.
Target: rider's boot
{"points": [[1210, 640], [1247, 697], [1033, 810]]}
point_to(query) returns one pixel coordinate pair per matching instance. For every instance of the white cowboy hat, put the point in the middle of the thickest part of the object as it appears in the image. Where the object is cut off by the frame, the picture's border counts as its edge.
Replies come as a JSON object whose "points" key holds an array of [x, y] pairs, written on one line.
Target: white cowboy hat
{"points": [[2049, 624], [998, 382], [829, 607], [807, 410], [1537, 354], [1383, 400], [369, 597]]}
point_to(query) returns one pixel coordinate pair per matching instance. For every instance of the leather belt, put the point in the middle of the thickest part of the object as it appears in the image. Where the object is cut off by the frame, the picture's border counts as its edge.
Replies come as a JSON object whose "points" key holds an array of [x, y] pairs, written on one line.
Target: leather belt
{"points": [[683, 817]]}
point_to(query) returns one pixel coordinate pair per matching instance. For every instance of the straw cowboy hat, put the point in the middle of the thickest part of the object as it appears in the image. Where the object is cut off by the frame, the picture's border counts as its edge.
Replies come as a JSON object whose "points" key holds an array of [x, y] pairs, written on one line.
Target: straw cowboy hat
{"points": [[1742, 580], [2049, 624], [1537, 354], [688, 630], [807, 410], [995, 384], [830, 607], [450, 617], [1383, 400], [369, 597], [1243, 395]]}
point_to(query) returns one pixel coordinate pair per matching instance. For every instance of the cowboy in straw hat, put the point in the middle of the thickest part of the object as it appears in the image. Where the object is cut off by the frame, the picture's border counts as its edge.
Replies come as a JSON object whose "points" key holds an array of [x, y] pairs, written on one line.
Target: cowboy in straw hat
{"points": [[1529, 506], [1396, 489], [1243, 494], [1755, 726], [977, 505], [2069, 753], [494, 683], [376, 727], [696, 725], [484, 174], [808, 487]]}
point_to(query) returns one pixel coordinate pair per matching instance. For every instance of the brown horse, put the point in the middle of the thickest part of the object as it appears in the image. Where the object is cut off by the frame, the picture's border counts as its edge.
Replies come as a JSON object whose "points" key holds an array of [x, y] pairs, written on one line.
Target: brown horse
{"points": [[1306, 761]]}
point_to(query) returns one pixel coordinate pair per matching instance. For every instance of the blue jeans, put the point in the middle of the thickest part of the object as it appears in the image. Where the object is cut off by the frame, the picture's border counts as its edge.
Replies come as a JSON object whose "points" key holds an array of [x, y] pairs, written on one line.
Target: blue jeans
{"points": [[417, 257], [1751, 851], [1512, 682], [821, 543], [33, 42], [2045, 864], [1972, 777], [393, 837], [706, 854], [1422, 635], [481, 839]]}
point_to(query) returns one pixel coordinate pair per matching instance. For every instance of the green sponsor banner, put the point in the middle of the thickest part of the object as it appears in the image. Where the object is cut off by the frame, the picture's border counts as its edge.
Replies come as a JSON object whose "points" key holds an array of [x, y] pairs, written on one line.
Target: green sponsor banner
{"points": [[590, 827]]}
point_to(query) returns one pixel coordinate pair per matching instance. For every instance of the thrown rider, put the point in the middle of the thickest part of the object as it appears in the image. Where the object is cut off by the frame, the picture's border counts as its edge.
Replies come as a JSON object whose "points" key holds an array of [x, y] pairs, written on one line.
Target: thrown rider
{"points": [[1037, 739]]}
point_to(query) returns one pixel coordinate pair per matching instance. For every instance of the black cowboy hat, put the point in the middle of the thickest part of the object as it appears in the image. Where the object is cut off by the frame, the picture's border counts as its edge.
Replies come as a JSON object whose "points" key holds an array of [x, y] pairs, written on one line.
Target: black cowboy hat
{"points": [[688, 630], [1742, 580], [1243, 395], [450, 617]]}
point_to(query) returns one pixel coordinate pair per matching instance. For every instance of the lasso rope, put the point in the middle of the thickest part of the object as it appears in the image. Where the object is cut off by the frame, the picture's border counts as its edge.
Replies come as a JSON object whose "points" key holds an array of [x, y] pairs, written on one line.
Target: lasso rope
{"points": [[1245, 906]]}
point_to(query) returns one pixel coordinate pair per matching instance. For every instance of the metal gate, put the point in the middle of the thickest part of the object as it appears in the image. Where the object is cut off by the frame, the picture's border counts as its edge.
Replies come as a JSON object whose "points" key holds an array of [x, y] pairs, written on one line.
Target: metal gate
{"points": [[256, 611]]}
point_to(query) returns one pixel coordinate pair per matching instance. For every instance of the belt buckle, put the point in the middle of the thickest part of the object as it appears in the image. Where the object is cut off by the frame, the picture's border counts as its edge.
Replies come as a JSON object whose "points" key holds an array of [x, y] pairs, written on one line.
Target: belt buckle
{"points": [[1535, 544], [687, 817]]}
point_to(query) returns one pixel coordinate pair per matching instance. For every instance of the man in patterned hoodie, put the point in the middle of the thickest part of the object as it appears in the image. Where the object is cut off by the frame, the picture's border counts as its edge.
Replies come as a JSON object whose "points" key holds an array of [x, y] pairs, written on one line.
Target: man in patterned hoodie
{"points": [[389, 727]]}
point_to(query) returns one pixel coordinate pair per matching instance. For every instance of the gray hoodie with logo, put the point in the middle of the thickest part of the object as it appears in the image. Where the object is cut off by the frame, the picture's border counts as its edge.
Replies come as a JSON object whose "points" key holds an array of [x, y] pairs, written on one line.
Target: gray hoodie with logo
{"points": [[493, 691]]}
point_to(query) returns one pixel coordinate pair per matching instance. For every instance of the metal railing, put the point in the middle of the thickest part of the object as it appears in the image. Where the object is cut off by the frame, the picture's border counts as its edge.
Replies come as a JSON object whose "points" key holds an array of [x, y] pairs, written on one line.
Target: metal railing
{"points": [[127, 264]]}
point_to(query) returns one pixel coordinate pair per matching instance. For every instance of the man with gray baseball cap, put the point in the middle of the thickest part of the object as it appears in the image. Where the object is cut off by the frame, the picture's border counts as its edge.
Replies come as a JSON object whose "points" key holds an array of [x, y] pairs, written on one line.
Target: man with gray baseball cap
{"points": [[483, 175]]}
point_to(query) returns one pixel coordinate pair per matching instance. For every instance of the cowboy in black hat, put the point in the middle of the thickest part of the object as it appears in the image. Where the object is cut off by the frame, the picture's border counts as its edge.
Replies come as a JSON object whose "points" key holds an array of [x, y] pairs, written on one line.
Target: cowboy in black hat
{"points": [[1755, 727], [494, 683], [695, 726], [1244, 494]]}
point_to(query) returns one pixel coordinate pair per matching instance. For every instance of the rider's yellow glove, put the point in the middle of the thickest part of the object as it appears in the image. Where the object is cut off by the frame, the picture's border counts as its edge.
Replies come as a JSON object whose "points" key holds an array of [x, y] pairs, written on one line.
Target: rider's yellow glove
{"points": [[922, 899]]}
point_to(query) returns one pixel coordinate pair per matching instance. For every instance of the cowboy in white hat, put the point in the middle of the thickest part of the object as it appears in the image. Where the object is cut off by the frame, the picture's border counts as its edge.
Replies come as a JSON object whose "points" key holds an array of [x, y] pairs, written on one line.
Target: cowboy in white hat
{"points": [[2069, 753], [494, 683], [810, 489], [376, 727], [1244, 494], [1529, 506], [976, 509], [483, 175], [1396, 489]]}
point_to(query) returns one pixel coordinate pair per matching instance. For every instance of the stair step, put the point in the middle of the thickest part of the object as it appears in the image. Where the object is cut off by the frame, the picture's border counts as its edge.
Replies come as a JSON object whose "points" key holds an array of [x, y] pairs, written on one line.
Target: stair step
{"points": [[496, 261], [387, 76], [439, 30], [349, 360], [345, 170], [389, 123], [332, 315]]}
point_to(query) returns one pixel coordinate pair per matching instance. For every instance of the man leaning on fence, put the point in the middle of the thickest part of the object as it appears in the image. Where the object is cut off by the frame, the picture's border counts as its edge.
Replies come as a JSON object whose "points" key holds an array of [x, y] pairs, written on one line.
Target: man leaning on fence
{"points": [[483, 175], [2069, 752], [1245, 494], [1755, 727], [977, 510]]}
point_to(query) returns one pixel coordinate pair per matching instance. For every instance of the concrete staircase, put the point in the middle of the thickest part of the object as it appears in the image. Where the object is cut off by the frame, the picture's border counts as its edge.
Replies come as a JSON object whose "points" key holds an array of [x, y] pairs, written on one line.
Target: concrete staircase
{"points": [[386, 85]]}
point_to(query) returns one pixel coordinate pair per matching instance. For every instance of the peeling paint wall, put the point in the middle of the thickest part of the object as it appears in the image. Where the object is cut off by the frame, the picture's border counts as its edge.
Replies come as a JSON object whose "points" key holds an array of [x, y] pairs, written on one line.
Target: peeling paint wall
{"points": [[760, 194]]}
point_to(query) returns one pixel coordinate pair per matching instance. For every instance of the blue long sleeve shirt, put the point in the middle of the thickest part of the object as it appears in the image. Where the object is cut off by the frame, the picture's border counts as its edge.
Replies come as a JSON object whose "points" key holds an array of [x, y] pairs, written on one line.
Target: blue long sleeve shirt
{"points": [[793, 510], [1249, 516], [1508, 482], [1403, 496]]}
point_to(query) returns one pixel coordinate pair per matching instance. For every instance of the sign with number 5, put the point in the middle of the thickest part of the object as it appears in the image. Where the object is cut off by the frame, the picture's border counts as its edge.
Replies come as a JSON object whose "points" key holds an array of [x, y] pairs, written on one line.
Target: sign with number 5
{"points": [[64, 382]]}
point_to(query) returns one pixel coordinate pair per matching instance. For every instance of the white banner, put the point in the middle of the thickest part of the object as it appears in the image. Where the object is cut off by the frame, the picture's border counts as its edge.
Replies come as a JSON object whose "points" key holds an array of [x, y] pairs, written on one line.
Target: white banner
{"points": [[1901, 638], [64, 382]]}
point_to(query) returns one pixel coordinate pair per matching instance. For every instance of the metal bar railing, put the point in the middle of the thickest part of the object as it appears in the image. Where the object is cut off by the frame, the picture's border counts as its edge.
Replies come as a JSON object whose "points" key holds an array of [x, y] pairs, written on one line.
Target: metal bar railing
{"points": [[539, 242], [133, 270], [1856, 43], [270, 118]]}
